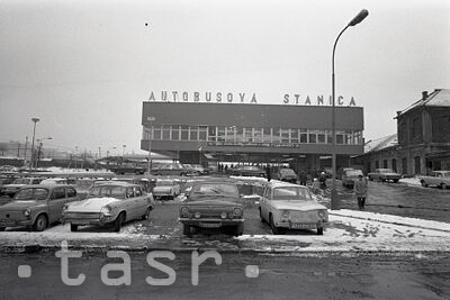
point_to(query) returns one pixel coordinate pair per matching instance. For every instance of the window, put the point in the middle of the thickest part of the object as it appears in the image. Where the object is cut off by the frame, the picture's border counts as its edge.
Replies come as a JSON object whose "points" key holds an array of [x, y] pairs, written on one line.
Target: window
{"points": [[276, 136], [202, 133], [71, 192], [394, 165], [312, 137], [266, 135], [339, 139], [193, 132], [58, 193], [284, 136], [230, 135], [212, 134], [257, 135], [157, 133], [385, 163], [303, 136], [184, 133], [377, 164], [248, 135], [166, 132], [130, 192], [221, 134], [137, 192], [294, 136], [321, 137], [175, 132]]}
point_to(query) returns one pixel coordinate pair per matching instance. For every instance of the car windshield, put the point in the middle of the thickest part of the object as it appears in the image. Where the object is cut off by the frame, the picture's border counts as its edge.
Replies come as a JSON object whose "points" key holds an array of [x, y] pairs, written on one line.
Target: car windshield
{"points": [[31, 194], [291, 193], [353, 173], [21, 181], [107, 191], [164, 183], [287, 172], [213, 189], [385, 171]]}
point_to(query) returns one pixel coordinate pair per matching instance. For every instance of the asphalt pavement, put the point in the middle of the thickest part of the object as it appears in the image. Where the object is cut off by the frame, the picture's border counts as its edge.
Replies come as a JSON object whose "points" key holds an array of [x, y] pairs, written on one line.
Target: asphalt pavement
{"points": [[239, 276]]}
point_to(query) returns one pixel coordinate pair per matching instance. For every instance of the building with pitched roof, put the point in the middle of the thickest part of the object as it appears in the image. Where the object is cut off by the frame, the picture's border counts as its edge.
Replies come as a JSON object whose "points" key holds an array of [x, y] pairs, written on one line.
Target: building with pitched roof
{"points": [[422, 142]]}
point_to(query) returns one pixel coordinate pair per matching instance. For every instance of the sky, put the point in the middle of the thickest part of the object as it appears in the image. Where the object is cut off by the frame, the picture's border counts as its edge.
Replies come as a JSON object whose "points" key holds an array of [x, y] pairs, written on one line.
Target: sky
{"points": [[85, 67]]}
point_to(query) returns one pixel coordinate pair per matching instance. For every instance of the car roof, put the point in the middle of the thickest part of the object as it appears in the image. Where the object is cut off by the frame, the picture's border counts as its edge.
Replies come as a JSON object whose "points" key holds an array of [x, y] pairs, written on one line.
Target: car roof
{"points": [[47, 186], [116, 183], [277, 183]]}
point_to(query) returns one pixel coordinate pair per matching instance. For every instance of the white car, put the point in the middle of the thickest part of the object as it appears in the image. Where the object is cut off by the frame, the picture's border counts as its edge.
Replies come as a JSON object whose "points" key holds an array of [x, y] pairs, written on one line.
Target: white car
{"points": [[166, 189], [109, 203], [438, 178], [290, 206]]}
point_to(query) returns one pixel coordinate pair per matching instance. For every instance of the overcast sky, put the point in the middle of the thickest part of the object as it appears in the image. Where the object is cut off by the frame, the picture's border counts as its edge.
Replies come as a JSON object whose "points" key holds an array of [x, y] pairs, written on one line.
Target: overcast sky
{"points": [[84, 67]]}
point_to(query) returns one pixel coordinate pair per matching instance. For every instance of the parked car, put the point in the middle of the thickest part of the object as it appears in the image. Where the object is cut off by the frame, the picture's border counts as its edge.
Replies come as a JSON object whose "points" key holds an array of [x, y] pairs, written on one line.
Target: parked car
{"points": [[247, 171], [290, 206], [128, 168], [12, 188], [59, 180], [212, 204], [285, 174], [349, 177], [438, 178], [169, 169], [109, 203], [195, 169], [166, 189], [36, 206], [384, 175]]}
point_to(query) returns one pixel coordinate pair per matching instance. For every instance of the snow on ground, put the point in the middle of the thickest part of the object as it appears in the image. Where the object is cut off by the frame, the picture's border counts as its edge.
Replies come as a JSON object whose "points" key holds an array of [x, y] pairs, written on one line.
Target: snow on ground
{"points": [[392, 219], [410, 181], [249, 178], [347, 231]]}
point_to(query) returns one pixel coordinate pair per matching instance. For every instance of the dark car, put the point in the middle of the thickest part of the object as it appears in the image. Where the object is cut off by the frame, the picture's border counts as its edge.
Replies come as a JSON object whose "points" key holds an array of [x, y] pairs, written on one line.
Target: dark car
{"points": [[12, 188], [169, 169], [212, 204], [248, 171], [286, 174], [36, 206]]}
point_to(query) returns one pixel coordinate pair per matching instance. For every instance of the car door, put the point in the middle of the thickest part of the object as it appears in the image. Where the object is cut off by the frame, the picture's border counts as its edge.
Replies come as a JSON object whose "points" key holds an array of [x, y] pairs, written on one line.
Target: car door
{"points": [[71, 195], [263, 203], [130, 203], [56, 203], [141, 201]]}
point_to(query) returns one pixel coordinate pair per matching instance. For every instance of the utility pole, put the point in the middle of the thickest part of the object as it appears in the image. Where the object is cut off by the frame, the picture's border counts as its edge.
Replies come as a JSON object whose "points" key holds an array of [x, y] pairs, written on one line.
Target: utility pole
{"points": [[25, 154]]}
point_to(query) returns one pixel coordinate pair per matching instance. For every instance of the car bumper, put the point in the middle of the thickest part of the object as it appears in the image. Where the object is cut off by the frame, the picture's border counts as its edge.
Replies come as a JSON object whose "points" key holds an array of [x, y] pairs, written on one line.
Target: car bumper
{"points": [[211, 223], [15, 223], [89, 221], [300, 225]]}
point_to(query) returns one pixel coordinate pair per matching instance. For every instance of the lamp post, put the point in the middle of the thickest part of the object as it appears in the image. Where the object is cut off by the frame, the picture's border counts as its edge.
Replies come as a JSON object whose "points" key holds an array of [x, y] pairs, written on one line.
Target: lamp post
{"points": [[355, 21], [150, 119], [35, 120]]}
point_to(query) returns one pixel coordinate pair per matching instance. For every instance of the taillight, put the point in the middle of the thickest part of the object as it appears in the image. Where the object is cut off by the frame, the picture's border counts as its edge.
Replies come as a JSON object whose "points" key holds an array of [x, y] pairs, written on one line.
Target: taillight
{"points": [[184, 212]]}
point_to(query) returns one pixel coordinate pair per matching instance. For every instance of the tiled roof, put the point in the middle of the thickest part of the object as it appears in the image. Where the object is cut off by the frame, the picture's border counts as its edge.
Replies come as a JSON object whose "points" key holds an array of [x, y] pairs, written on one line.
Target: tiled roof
{"points": [[381, 143], [440, 97]]}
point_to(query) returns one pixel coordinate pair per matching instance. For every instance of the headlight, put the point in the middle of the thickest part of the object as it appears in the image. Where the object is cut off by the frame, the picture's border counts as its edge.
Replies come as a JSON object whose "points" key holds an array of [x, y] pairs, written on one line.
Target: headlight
{"points": [[321, 214], [184, 212], [65, 207], [285, 214], [197, 215], [237, 212], [223, 215], [27, 212], [106, 211]]}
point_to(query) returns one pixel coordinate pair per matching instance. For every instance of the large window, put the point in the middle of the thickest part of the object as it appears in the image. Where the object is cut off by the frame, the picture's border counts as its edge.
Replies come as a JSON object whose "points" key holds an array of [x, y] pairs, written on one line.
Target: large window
{"points": [[221, 134], [193, 133], [303, 136], [202, 133], [294, 136], [312, 137], [284, 136], [267, 135], [276, 139], [166, 132], [212, 134], [157, 133], [184, 133], [175, 132], [248, 134], [321, 137]]}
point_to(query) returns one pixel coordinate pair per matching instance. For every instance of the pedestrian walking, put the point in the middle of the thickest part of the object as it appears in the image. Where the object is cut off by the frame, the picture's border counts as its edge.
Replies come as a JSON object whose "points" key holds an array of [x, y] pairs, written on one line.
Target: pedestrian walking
{"points": [[360, 189]]}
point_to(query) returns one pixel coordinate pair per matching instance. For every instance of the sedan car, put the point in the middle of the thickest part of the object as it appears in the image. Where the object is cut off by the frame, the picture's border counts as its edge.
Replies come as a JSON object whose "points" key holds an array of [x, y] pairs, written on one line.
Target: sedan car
{"points": [[12, 188], [286, 174], [438, 178], [166, 189], [349, 177], [384, 175], [248, 171], [212, 204], [290, 206], [109, 203], [36, 206]]}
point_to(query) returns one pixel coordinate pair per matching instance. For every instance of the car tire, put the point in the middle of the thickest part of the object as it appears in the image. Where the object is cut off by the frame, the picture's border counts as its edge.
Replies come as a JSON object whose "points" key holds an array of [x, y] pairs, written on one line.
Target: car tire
{"points": [[73, 227], [275, 229], [423, 183], [395, 180], [187, 230], [2, 228], [146, 216], [239, 229], [41, 223], [319, 230], [444, 186], [119, 222]]}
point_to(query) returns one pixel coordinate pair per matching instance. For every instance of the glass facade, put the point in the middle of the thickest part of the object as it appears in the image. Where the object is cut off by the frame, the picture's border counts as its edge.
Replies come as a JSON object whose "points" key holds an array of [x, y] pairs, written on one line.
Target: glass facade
{"points": [[234, 135]]}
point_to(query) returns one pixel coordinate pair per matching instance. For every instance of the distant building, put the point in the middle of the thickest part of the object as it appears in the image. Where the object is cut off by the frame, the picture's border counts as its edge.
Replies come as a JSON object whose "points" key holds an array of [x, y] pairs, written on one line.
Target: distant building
{"points": [[422, 142]]}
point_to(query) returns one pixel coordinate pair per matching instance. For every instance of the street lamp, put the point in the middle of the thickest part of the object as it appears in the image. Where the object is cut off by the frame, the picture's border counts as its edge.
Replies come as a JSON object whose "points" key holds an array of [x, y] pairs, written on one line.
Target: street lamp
{"points": [[150, 119], [355, 21], [35, 120]]}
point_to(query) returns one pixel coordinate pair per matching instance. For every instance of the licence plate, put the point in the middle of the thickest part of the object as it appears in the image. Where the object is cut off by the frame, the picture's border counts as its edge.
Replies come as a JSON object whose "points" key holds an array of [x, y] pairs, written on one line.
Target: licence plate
{"points": [[7, 222], [302, 226], [210, 225]]}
